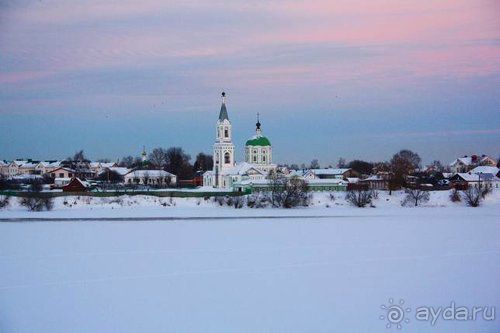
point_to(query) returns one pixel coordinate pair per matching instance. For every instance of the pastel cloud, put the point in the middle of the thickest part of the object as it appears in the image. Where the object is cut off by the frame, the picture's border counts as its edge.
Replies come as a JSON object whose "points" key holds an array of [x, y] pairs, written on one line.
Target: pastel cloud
{"points": [[125, 56]]}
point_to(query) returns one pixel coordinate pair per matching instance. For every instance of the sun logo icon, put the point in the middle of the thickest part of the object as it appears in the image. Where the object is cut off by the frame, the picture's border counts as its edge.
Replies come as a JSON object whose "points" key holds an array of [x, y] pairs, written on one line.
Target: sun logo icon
{"points": [[395, 314]]}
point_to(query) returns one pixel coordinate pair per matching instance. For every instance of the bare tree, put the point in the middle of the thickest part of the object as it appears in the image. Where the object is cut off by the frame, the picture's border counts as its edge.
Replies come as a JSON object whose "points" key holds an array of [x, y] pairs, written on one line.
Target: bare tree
{"points": [[110, 176], [32, 203], [178, 163], [403, 164], [314, 164], [455, 196], [36, 202], [473, 196], [415, 196], [341, 163], [126, 162], [158, 157], [437, 166], [203, 162], [238, 202], [359, 197], [4, 201], [288, 192], [79, 156], [364, 168], [146, 178]]}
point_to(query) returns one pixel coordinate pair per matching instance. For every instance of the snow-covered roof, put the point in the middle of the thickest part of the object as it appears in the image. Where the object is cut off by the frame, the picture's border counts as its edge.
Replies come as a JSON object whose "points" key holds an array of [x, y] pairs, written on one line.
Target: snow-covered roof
{"points": [[19, 162], [326, 181], [330, 171], [63, 168], [83, 182], [308, 181], [476, 177], [26, 176], [120, 170], [28, 165], [486, 169], [108, 164], [149, 173], [102, 164], [49, 164], [2, 163], [372, 178], [352, 180], [467, 160], [469, 177], [298, 173], [253, 182], [464, 160], [241, 169]]}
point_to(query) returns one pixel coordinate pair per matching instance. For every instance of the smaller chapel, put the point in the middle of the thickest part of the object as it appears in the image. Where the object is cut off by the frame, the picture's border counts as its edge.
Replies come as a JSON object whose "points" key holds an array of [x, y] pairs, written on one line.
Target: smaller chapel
{"points": [[226, 173]]}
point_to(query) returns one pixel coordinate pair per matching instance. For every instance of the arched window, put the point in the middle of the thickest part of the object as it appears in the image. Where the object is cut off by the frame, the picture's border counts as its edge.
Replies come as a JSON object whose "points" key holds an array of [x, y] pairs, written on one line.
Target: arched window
{"points": [[227, 158], [226, 133]]}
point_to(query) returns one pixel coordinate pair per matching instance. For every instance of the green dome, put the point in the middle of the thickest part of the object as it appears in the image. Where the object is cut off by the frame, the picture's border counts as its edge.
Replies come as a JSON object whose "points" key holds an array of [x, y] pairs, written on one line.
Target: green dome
{"points": [[258, 141]]}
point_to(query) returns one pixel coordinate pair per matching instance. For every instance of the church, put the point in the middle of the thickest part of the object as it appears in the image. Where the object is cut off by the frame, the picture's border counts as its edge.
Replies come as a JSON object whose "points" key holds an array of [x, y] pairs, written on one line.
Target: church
{"points": [[226, 173]]}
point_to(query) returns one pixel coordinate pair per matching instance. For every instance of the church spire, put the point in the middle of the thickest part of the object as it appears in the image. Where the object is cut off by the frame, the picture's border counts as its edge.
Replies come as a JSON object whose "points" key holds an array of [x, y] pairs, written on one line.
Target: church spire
{"points": [[258, 130], [223, 111], [144, 155]]}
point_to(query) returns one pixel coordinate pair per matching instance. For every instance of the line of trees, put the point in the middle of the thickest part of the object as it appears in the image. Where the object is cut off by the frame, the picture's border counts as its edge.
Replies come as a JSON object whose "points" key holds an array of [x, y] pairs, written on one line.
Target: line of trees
{"points": [[174, 160]]}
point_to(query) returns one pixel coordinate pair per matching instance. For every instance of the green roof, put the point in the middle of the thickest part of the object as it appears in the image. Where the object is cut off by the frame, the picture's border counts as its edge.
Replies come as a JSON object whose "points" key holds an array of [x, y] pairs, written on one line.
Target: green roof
{"points": [[259, 141]]}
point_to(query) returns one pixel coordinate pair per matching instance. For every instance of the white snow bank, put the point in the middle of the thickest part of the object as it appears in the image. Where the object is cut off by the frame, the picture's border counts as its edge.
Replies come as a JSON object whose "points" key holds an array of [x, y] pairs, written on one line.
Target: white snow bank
{"points": [[151, 206]]}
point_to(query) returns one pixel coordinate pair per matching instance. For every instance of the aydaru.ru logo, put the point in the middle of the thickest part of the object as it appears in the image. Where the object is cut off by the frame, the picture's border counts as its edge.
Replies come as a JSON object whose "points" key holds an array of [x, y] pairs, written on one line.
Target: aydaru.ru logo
{"points": [[398, 314], [395, 314]]}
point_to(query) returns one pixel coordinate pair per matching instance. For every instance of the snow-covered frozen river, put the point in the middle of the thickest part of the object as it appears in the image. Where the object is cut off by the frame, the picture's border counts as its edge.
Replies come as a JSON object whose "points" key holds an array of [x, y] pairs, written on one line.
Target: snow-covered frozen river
{"points": [[307, 274]]}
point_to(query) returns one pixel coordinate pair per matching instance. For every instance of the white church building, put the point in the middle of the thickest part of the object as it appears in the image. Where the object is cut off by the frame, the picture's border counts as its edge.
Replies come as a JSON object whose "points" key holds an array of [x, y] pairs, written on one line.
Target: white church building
{"points": [[226, 173]]}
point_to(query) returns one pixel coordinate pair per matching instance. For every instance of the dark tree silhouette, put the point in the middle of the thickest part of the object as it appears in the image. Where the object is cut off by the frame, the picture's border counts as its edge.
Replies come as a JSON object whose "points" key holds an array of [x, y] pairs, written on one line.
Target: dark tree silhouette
{"points": [[403, 164], [158, 158], [364, 168], [203, 162], [110, 176]]}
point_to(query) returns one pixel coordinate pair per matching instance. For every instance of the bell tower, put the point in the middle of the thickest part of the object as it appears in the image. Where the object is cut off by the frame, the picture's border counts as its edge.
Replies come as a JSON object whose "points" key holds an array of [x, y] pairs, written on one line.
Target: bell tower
{"points": [[223, 146]]}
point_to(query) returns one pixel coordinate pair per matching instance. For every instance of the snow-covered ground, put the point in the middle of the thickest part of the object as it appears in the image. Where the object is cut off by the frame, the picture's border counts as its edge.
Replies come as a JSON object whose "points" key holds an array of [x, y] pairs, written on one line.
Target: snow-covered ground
{"points": [[318, 269], [151, 206]]}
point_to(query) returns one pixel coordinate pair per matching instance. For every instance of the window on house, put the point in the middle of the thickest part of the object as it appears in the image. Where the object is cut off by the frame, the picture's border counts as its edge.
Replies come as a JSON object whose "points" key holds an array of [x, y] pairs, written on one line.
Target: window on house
{"points": [[227, 158], [70, 175], [264, 158], [226, 132], [255, 158], [61, 175]]}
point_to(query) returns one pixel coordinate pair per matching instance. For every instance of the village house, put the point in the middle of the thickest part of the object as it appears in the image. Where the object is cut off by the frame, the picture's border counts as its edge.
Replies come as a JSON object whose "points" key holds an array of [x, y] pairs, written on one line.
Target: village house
{"points": [[44, 167], [487, 169], [331, 173], [467, 163], [150, 177], [375, 182], [76, 185], [98, 167], [62, 172], [485, 180], [4, 168]]}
